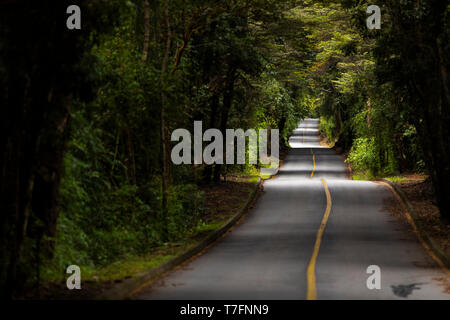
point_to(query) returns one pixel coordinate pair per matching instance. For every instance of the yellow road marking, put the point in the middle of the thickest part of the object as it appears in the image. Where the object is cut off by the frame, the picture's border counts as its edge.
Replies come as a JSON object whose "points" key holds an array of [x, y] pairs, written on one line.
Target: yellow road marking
{"points": [[416, 230], [311, 271], [314, 164]]}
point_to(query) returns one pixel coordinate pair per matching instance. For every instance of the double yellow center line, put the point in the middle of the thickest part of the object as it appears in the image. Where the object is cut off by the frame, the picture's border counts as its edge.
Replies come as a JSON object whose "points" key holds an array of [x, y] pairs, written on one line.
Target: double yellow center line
{"points": [[311, 293], [314, 164]]}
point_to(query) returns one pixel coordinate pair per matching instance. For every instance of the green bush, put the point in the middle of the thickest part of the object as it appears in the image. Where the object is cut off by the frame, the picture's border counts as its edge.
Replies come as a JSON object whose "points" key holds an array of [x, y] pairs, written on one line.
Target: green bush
{"points": [[363, 155]]}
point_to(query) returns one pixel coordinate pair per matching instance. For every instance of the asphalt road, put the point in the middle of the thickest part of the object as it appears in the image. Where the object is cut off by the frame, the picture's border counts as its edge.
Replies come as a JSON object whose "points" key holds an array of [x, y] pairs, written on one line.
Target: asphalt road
{"points": [[311, 235]]}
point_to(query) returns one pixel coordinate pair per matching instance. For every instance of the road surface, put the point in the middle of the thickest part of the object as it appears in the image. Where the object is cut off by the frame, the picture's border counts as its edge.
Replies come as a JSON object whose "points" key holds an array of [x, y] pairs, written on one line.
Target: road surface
{"points": [[311, 235]]}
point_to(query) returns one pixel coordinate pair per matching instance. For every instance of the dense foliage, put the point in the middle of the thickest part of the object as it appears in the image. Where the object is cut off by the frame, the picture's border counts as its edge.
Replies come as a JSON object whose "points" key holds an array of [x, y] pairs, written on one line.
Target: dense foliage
{"points": [[385, 93], [86, 175], [118, 88]]}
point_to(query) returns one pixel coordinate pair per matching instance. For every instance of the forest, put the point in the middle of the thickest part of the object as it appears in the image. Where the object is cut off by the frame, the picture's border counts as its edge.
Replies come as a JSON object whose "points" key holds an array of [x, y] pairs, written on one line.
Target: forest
{"points": [[87, 115]]}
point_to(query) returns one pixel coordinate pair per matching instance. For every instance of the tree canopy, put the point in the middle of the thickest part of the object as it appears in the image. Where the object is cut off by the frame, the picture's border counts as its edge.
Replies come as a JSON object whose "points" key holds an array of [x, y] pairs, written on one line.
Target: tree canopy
{"points": [[88, 114]]}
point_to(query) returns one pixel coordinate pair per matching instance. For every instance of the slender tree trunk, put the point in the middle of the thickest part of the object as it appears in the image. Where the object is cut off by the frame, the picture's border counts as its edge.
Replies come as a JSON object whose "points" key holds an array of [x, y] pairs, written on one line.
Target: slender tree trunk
{"points": [[131, 155], [443, 196], [164, 178], [433, 105], [227, 104], [20, 234], [164, 138], [212, 123], [146, 31]]}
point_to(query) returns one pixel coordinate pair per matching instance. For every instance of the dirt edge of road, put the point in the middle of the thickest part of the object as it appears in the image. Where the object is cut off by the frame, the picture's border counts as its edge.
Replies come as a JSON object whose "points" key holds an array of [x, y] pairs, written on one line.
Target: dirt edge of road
{"points": [[416, 221]]}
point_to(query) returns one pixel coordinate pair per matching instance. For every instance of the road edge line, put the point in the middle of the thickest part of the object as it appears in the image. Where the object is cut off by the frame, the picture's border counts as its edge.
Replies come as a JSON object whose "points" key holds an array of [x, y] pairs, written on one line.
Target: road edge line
{"points": [[311, 293], [128, 287], [424, 238]]}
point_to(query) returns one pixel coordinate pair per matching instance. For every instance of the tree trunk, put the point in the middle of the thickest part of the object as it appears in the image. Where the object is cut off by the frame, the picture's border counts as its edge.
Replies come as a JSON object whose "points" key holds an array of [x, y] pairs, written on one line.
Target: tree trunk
{"points": [[212, 123], [164, 138], [146, 31], [227, 104]]}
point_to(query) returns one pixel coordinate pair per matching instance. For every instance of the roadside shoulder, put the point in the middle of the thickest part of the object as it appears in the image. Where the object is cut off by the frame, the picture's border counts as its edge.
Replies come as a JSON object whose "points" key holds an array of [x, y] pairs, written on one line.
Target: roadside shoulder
{"points": [[417, 223]]}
